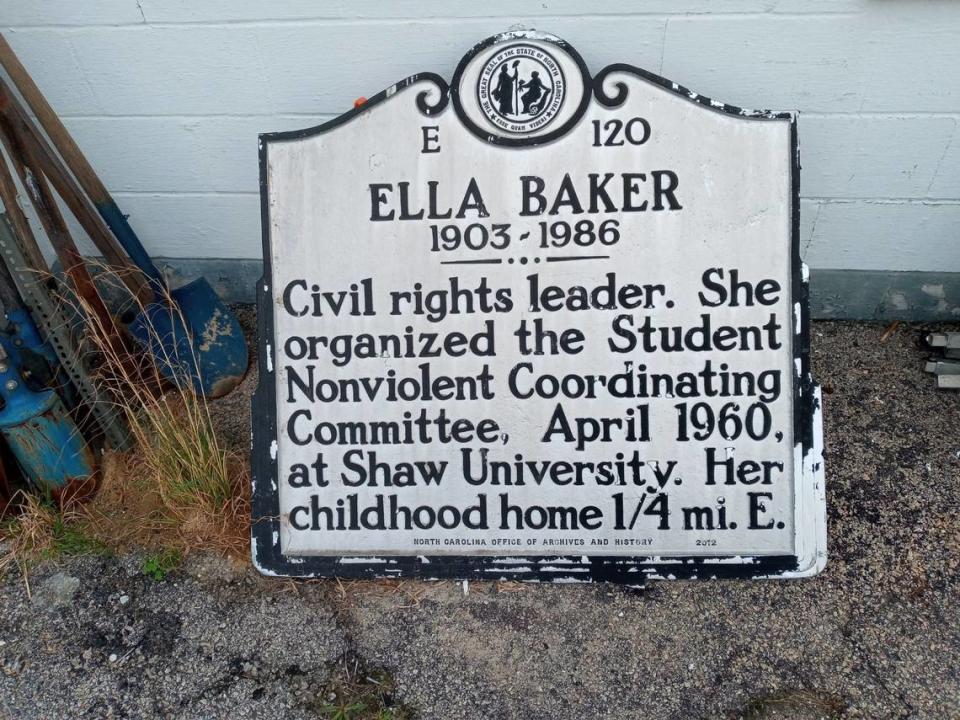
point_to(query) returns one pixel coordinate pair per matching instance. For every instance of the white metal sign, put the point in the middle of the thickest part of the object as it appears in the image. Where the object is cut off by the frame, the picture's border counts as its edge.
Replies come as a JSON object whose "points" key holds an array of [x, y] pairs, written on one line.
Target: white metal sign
{"points": [[536, 324]]}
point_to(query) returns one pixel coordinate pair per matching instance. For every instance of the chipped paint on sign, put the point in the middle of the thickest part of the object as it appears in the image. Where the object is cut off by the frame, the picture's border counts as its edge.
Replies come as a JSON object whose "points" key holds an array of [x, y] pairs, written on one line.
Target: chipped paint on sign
{"points": [[634, 338]]}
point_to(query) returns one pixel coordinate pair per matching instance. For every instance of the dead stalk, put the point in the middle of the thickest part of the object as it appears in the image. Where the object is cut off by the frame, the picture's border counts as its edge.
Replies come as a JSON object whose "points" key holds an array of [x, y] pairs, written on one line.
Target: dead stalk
{"points": [[178, 488]]}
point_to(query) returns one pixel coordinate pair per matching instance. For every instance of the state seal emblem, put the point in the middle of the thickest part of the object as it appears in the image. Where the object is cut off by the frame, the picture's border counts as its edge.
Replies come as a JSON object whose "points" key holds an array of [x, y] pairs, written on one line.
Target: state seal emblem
{"points": [[521, 88]]}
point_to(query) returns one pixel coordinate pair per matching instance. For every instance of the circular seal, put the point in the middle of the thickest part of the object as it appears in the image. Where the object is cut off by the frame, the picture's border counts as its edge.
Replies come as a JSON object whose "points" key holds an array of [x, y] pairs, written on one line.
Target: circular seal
{"points": [[521, 88]]}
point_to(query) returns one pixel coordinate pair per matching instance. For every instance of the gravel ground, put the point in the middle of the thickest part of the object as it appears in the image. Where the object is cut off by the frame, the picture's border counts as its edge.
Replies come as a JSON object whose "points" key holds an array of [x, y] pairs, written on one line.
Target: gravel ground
{"points": [[877, 635]]}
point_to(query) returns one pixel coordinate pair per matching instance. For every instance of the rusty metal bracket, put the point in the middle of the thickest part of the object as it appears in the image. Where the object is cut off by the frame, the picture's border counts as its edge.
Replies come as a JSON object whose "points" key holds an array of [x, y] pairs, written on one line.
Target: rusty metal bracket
{"points": [[56, 328]]}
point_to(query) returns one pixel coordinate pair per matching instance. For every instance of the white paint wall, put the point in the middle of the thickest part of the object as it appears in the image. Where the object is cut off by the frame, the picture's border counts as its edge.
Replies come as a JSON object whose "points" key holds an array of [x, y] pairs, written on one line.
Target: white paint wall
{"points": [[167, 97]]}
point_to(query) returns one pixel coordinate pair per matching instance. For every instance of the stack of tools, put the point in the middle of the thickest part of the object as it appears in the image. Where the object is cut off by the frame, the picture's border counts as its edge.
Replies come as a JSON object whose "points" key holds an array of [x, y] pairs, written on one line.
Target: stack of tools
{"points": [[52, 415], [38, 432], [945, 368]]}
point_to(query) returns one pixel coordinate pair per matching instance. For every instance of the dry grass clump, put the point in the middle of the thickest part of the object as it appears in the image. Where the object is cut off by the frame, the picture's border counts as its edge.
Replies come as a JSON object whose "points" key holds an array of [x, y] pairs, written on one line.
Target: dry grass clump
{"points": [[31, 534], [139, 506], [43, 530], [177, 488]]}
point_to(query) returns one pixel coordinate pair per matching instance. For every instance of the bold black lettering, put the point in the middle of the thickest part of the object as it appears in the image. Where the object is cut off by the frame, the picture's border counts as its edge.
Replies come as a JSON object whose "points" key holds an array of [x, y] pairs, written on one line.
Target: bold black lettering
{"points": [[598, 191], [378, 198], [472, 200], [664, 189], [287, 295], [532, 187], [431, 139], [566, 197], [630, 189]]}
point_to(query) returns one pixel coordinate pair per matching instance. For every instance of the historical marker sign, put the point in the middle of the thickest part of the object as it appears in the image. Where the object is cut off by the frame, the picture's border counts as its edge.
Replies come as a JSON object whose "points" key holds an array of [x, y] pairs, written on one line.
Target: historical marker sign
{"points": [[535, 324]]}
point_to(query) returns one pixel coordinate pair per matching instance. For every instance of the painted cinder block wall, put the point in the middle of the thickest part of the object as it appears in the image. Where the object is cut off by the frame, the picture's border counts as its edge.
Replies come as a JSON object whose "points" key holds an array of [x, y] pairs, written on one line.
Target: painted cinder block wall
{"points": [[167, 98]]}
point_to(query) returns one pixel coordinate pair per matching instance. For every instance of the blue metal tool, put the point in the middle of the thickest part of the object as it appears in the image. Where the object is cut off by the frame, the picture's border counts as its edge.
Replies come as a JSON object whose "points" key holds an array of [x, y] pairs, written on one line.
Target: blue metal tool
{"points": [[41, 435], [36, 359], [38, 430], [30, 307], [199, 334]]}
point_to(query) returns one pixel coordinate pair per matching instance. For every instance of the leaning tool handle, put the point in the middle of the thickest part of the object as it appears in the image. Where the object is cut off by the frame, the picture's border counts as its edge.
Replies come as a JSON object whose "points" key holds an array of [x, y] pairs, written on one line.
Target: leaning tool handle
{"points": [[37, 356], [77, 163], [66, 186], [18, 319], [43, 201], [21, 226], [53, 321], [9, 297]]}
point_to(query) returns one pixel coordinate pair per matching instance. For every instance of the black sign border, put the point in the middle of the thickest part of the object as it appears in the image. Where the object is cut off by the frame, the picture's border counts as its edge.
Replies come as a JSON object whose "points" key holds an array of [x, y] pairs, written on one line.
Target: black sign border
{"points": [[631, 570]]}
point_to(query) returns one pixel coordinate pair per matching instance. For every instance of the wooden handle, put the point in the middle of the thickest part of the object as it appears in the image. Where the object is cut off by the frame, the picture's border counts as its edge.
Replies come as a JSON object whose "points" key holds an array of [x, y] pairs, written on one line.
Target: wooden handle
{"points": [[78, 164], [67, 188], [51, 123], [18, 220], [8, 288], [51, 219]]}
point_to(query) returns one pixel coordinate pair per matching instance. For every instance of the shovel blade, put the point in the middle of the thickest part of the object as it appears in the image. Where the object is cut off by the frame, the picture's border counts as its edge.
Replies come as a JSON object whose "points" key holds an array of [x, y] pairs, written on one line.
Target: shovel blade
{"points": [[47, 443], [199, 339]]}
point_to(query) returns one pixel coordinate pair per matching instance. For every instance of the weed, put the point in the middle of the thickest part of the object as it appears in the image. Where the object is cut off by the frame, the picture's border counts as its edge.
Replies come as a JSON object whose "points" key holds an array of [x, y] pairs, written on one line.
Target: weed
{"points": [[356, 693], [43, 531], [29, 537], [72, 537], [824, 705], [176, 489], [158, 565], [179, 488], [343, 711], [359, 711]]}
